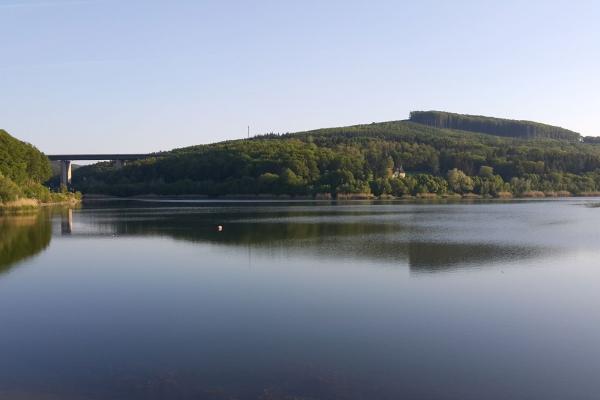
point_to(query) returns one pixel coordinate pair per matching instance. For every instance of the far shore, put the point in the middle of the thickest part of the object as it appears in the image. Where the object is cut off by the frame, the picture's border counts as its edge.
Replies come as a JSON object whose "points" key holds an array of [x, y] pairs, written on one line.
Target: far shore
{"points": [[346, 197]]}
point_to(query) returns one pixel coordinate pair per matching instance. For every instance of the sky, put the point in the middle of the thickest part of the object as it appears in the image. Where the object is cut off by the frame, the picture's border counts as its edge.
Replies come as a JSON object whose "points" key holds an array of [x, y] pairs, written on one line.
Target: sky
{"points": [[133, 76]]}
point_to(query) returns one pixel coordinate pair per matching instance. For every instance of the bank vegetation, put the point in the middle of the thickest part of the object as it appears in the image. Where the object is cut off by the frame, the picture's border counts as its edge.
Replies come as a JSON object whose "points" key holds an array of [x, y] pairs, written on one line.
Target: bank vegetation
{"points": [[23, 170]]}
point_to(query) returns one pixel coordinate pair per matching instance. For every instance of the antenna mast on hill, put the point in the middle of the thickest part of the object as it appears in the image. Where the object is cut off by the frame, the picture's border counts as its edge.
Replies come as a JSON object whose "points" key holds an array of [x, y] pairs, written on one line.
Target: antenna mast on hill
{"points": [[248, 131]]}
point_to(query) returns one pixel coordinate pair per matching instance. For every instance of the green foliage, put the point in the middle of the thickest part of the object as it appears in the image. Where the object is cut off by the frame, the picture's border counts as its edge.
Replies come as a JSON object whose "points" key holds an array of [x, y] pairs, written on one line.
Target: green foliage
{"points": [[360, 159], [22, 170], [592, 139], [21, 162], [459, 182], [381, 186], [9, 191], [426, 183], [486, 171], [494, 126], [490, 185]]}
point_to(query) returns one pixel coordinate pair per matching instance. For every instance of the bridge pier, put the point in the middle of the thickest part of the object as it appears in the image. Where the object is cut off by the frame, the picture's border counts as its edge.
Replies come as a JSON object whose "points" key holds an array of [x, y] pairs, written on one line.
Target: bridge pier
{"points": [[65, 173], [118, 160]]}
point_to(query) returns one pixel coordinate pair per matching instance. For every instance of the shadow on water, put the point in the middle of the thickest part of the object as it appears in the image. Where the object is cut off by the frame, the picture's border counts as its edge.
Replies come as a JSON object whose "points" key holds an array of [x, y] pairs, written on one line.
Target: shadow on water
{"points": [[22, 236]]}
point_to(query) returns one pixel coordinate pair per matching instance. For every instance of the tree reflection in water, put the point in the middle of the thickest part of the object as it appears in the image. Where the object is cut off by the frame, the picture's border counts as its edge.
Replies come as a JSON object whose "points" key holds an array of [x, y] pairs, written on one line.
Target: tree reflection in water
{"points": [[375, 236], [23, 236]]}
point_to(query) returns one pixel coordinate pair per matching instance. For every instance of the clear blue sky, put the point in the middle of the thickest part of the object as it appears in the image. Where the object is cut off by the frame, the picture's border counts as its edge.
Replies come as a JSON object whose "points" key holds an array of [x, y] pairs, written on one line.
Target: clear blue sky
{"points": [[137, 76]]}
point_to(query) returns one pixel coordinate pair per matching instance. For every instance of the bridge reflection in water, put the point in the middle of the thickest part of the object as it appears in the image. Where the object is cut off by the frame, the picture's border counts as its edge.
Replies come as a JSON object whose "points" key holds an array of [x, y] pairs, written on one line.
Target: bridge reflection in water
{"points": [[66, 222], [319, 233], [324, 234]]}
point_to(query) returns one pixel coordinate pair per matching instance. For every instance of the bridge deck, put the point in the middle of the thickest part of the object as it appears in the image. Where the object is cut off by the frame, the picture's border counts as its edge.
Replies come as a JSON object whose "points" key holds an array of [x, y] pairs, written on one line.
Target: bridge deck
{"points": [[97, 157]]}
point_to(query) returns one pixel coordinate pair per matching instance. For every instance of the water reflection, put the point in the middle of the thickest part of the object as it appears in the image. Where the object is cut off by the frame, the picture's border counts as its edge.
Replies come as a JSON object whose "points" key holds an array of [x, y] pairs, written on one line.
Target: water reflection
{"points": [[390, 236], [146, 302], [66, 222], [378, 235], [438, 257], [22, 236]]}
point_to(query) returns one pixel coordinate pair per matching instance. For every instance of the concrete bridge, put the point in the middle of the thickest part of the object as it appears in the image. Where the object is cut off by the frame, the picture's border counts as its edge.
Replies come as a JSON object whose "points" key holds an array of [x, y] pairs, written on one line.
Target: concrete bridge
{"points": [[66, 159]]}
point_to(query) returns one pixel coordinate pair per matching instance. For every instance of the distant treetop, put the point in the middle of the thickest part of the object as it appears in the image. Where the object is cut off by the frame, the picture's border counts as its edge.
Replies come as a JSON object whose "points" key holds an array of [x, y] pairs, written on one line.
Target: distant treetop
{"points": [[492, 126]]}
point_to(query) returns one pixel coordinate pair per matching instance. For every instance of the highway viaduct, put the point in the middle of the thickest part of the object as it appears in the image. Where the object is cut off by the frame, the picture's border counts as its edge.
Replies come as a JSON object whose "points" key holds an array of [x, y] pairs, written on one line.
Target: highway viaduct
{"points": [[66, 159]]}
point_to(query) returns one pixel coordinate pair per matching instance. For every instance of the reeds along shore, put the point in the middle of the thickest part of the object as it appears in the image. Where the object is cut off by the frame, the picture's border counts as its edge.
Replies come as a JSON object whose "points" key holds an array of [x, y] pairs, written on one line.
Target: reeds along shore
{"points": [[34, 203]]}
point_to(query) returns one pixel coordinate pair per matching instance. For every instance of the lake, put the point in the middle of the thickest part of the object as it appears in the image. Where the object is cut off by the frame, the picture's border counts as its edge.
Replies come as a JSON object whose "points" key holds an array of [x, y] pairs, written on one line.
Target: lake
{"points": [[307, 300]]}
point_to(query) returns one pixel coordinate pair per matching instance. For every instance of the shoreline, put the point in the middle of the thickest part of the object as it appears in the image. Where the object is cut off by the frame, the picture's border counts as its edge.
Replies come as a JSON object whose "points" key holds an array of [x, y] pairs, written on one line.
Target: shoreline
{"points": [[283, 198], [22, 204]]}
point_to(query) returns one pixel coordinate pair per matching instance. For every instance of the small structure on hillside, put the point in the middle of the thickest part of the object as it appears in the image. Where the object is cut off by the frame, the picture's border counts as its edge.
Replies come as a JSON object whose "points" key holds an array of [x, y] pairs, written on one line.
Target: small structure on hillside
{"points": [[399, 173]]}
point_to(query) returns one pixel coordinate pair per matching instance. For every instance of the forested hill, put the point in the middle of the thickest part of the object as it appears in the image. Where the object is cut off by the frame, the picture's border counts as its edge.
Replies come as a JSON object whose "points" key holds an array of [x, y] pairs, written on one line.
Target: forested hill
{"points": [[23, 169], [361, 160], [493, 126], [20, 161]]}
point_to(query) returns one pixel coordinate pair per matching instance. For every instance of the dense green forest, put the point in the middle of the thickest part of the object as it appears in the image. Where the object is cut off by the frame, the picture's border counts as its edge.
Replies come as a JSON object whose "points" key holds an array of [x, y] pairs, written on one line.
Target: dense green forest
{"points": [[365, 160], [493, 126], [23, 169]]}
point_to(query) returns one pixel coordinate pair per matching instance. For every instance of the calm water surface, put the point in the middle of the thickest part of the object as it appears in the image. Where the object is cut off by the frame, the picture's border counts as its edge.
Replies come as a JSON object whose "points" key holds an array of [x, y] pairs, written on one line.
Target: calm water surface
{"points": [[147, 300]]}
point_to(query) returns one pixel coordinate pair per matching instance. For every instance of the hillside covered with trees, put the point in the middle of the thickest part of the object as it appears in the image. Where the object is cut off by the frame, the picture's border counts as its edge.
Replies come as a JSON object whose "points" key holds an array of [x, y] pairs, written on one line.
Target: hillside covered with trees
{"points": [[23, 170], [398, 158], [493, 126]]}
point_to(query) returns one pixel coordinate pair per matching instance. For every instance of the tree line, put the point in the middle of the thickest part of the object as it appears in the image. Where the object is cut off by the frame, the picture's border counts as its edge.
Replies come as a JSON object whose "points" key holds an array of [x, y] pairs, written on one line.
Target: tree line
{"points": [[362, 159], [23, 170], [494, 126]]}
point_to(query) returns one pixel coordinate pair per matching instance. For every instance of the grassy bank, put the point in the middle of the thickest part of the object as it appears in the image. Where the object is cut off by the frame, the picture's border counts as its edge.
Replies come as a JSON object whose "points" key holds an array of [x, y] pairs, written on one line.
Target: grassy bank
{"points": [[51, 200]]}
